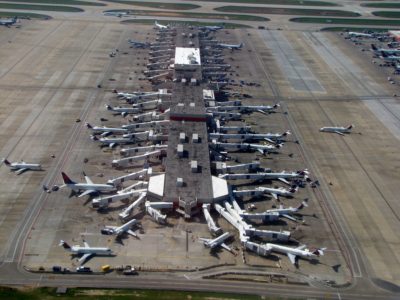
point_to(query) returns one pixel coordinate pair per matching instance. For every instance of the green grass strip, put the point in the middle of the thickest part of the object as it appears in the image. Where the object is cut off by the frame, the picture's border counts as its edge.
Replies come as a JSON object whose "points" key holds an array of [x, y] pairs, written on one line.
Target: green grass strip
{"points": [[40, 7], [178, 14], [277, 2], [387, 14], [192, 23], [162, 5], [287, 11], [382, 5], [67, 2], [375, 22], [22, 15], [358, 29]]}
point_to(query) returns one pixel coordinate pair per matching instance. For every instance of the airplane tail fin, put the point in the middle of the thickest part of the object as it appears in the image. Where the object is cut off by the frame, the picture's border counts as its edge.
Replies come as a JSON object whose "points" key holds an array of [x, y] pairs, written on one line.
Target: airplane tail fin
{"points": [[276, 105], [88, 125], [294, 189], [351, 126], [115, 90], [65, 245], [109, 107], [94, 138], [286, 133], [374, 47], [241, 45], [279, 146], [384, 54], [66, 179], [319, 251], [302, 205], [6, 162]]}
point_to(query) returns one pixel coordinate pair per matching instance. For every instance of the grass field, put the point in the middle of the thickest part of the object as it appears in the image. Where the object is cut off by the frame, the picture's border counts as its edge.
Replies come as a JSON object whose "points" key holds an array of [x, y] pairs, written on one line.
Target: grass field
{"points": [[358, 29], [387, 14], [375, 22], [177, 14], [92, 294], [382, 5], [287, 11], [10, 14], [163, 5], [280, 2], [40, 7], [193, 23], [67, 2]]}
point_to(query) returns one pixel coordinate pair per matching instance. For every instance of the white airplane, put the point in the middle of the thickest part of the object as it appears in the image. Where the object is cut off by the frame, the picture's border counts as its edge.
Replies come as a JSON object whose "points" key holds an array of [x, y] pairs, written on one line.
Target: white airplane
{"points": [[22, 166], [211, 28], [123, 110], [8, 22], [112, 142], [89, 187], [219, 241], [260, 108], [265, 149], [105, 130], [293, 253], [118, 14], [160, 26], [388, 51], [86, 251], [231, 46], [338, 130], [120, 230], [287, 212], [359, 34], [278, 192]]}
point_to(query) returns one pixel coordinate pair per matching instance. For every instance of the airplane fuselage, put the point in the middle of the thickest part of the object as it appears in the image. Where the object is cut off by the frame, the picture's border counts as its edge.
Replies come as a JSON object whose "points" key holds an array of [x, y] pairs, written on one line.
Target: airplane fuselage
{"points": [[17, 166], [90, 250], [87, 186]]}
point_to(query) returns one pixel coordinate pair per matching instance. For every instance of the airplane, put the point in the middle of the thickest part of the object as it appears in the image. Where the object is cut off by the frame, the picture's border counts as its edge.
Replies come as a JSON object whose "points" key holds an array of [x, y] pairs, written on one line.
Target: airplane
{"points": [[105, 130], [22, 166], [338, 130], [293, 253], [388, 51], [160, 26], [86, 251], [112, 142], [120, 230], [123, 110], [231, 46], [138, 44], [359, 34], [278, 192], [118, 14], [219, 241], [287, 212], [89, 187], [211, 28], [389, 58], [8, 22]]}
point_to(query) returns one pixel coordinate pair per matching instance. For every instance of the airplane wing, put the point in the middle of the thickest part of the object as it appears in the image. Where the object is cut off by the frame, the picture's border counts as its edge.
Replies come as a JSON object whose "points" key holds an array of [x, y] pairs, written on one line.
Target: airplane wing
{"points": [[204, 239], [292, 257], [105, 133], [284, 180], [131, 233], [88, 180], [269, 140], [260, 150], [289, 217], [261, 111], [88, 192], [226, 247], [338, 132], [302, 247], [85, 257], [86, 244], [111, 145], [20, 171], [275, 196]]}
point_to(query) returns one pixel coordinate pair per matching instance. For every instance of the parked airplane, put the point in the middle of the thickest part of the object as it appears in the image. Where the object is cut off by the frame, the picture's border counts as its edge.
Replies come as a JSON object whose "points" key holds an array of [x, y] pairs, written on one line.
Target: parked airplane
{"points": [[118, 14], [8, 22], [287, 212], [219, 241], [389, 58], [211, 28], [86, 251], [338, 130], [105, 130], [89, 187], [112, 142], [138, 44], [359, 34], [22, 166], [278, 192], [123, 110], [120, 230], [231, 46], [293, 253], [388, 51], [160, 26]]}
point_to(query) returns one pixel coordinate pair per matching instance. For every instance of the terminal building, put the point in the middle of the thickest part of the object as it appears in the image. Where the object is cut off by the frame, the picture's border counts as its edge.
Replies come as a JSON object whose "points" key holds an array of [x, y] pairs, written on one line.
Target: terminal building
{"points": [[187, 181]]}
